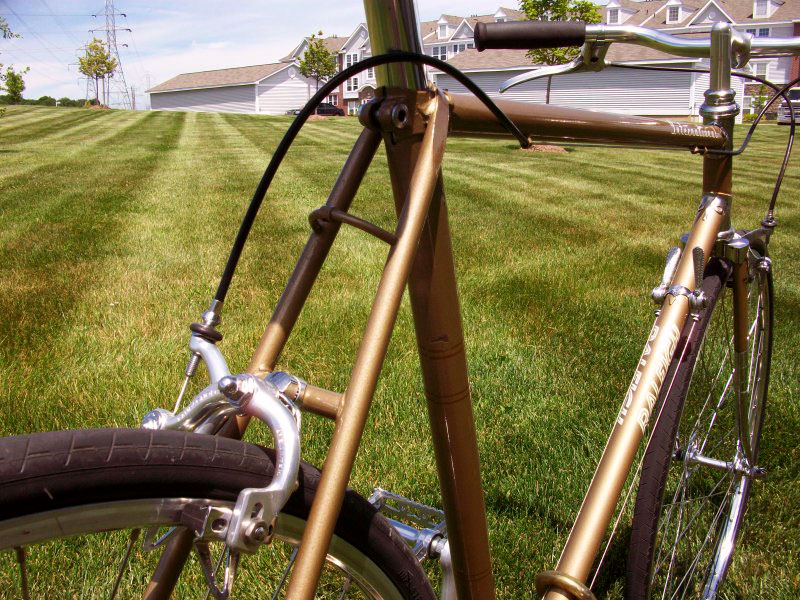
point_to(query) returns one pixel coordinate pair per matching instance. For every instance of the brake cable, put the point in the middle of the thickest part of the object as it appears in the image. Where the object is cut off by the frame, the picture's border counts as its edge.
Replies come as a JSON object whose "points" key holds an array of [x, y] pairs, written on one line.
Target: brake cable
{"points": [[310, 107]]}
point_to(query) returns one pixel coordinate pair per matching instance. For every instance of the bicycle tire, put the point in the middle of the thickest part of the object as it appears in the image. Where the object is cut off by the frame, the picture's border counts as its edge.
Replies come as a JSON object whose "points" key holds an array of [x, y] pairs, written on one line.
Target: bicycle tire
{"points": [[60, 484], [675, 552]]}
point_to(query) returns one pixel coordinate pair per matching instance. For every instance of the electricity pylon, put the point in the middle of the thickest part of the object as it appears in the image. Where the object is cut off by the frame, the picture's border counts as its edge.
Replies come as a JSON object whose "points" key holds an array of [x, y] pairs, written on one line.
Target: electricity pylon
{"points": [[111, 29]]}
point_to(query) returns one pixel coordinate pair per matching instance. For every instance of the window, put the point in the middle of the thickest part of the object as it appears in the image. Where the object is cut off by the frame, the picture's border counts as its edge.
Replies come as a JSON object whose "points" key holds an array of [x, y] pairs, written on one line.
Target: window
{"points": [[443, 30], [440, 52], [470, 45], [352, 84], [352, 107], [673, 14], [613, 15], [761, 8], [458, 48], [500, 19], [370, 73], [350, 59], [760, 68], [760, 32], [333, 99]]}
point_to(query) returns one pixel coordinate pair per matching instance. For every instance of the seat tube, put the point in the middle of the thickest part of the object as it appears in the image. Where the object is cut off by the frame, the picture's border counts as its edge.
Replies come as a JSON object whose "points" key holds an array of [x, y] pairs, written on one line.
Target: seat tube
{"points": [[393, 24]]}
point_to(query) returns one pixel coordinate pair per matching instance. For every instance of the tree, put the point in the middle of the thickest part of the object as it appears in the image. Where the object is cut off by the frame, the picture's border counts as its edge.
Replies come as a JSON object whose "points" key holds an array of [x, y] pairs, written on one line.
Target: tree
{"points": [[6, 32], [97, 64], [317, 62], [14, 84], [558, 10]]}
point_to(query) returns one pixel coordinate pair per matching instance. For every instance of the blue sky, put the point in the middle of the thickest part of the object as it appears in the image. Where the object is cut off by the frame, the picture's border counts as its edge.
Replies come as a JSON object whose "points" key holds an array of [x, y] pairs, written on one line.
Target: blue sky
{"points": [[179, 36]]}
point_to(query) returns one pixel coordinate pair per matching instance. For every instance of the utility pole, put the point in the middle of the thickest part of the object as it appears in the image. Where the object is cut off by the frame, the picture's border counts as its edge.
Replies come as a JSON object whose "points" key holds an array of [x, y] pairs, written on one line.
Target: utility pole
{"points": [[110, 13], [133, 97]]}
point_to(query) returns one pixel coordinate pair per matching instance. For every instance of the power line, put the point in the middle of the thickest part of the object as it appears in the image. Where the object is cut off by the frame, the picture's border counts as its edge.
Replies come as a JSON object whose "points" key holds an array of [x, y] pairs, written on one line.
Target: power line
{"points": [[36, 35], [44, 15]]}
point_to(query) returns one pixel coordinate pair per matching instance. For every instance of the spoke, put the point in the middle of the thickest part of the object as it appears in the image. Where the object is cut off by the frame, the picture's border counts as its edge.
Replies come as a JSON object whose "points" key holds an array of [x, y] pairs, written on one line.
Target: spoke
{"points": [[345, 587], [225, 552], [711, 529], [285, 573], [125, 559]]}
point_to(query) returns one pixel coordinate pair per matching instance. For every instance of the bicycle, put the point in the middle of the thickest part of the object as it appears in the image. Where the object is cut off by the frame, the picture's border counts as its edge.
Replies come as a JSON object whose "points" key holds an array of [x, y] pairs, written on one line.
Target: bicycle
{"points": [[213, 489]]}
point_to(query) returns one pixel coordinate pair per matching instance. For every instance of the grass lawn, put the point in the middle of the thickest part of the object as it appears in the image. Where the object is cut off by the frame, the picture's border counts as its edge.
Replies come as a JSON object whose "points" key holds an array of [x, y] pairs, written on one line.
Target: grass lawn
{"points": [[115, 226]]}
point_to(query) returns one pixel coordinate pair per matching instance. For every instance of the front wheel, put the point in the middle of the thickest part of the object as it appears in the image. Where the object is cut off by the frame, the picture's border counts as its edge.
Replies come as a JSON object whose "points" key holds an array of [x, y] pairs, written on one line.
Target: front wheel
{"points": [[70, 499], [691, 499]]}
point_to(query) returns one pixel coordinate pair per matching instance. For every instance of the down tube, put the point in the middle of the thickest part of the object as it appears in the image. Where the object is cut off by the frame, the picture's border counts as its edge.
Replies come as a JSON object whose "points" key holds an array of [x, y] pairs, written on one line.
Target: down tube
{"points": [[639, 403], [437, 320]]}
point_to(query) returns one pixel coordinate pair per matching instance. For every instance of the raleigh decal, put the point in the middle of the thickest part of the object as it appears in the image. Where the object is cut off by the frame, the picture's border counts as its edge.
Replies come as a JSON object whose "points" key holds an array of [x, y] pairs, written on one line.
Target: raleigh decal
{"points": [[654, 385]]}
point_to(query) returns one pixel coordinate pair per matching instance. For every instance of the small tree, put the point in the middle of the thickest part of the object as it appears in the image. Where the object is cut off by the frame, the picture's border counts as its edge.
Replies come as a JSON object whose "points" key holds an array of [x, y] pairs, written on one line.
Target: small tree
{"points": [[558, 10], [14, 84], [97, 64], [317, 62], [6, 32]]}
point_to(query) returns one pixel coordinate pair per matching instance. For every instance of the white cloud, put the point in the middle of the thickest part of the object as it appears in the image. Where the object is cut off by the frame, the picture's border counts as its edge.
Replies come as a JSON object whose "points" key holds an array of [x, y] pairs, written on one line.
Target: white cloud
{"points": [[185, 35]]}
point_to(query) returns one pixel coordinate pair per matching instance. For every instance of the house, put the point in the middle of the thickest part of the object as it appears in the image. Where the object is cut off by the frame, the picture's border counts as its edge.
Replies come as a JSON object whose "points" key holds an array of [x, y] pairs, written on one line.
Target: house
{"points": [[334, 45], [277, 87], [270, 89], [759, 18], [641, 92]]}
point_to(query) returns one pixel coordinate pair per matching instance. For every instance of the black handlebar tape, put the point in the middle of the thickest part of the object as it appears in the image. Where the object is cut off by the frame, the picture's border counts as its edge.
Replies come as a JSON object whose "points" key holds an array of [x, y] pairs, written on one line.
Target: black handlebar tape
{"points": [[527, 35]]}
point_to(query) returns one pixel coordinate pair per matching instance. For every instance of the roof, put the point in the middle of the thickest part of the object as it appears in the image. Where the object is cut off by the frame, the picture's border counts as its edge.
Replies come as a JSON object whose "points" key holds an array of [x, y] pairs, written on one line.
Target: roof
{"points": [[333, 44], [490, 59], [741, 11], [219, 77], [430, 27]]}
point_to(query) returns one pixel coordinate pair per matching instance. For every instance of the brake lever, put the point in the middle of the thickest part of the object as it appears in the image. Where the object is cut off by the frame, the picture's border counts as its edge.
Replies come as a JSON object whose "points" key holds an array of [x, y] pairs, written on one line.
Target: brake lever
{"points": [[591, 58]]}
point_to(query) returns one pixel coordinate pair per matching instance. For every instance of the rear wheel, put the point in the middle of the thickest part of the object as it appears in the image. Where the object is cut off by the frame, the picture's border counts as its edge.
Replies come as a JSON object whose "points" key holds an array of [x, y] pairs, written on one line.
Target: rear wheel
{"points": [[690, 506], [70, 499]]}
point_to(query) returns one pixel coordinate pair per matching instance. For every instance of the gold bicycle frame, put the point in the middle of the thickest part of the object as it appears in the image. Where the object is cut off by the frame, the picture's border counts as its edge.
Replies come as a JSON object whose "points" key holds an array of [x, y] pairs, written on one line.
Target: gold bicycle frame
{"points": [[413, 121]]}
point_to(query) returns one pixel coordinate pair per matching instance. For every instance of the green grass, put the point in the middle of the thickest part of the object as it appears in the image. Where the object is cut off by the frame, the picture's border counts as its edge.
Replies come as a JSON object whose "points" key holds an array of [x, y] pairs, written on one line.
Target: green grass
{"points": [[114, 227]]}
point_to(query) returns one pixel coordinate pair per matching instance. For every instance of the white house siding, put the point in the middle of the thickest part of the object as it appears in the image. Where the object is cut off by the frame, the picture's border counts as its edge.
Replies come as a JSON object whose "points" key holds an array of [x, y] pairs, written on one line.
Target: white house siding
{"points": [[701, 85], [284, 90], [614, 90], [235, 99]]}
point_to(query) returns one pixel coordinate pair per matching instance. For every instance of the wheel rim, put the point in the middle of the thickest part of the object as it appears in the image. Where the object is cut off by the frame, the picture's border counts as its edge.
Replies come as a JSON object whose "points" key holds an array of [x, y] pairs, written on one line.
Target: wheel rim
{"points": [[703, 506], [349, 573]]}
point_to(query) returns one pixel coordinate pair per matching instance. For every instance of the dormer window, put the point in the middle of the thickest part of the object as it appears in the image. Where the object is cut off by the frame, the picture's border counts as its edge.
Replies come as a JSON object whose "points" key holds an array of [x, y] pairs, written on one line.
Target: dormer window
{"points": [[761, 8], [500, 20], [443, 30], [613, 16], [673, 14]]}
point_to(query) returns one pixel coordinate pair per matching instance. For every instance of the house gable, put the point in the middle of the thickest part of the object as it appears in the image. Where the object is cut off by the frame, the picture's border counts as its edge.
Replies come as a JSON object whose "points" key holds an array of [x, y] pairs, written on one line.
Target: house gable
{"points": [[710, 13], [616, 14], [464, 31], [356, 40]]}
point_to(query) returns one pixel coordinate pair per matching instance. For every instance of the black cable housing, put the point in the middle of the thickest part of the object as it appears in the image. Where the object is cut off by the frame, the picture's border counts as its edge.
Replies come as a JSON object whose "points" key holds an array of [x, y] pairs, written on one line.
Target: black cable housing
{"points": [[310, 108]]}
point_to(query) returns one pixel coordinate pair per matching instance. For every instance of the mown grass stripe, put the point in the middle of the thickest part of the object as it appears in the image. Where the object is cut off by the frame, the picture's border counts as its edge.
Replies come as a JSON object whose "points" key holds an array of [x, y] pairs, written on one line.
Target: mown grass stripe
{"points": [[63, 149], [554, 277]]}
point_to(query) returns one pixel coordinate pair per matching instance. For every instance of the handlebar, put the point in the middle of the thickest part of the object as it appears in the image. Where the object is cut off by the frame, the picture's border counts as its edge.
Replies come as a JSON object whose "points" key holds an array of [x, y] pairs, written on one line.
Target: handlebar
{"points": [[596, 39], [562, 34]]}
